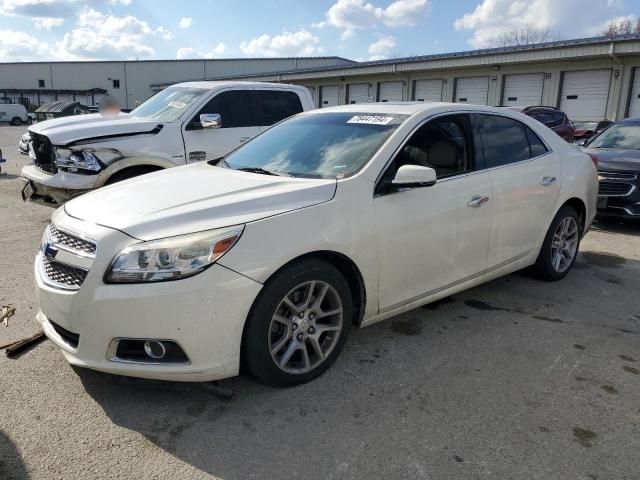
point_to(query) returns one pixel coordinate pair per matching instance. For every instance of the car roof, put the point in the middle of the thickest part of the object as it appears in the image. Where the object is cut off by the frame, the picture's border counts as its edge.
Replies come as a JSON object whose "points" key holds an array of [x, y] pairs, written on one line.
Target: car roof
{"points": [[630, 121], [230, 83], [408, 108]]}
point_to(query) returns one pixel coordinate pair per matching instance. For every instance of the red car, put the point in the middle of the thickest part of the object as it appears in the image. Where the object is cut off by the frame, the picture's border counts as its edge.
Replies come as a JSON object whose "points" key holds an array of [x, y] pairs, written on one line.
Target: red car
{"points": [[552, 118]]}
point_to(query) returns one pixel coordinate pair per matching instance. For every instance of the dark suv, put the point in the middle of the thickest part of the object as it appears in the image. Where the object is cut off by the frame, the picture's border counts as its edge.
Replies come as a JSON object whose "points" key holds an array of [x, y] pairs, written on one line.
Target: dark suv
{"points": [[552, 118]]}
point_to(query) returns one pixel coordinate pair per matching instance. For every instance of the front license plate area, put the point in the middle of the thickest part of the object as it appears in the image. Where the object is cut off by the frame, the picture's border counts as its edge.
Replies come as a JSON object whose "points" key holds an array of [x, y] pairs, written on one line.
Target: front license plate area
{"points": [[602, 203]]}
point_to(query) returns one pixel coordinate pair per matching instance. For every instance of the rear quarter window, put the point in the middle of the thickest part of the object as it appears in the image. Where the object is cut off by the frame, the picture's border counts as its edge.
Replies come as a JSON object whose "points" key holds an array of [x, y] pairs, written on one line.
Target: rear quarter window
{"points": [[275, 105]]}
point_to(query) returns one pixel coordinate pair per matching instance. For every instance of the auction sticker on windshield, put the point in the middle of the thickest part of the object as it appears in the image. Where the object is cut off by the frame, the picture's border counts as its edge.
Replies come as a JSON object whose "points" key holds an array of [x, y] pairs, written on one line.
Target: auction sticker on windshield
{"points": [[371, 119]]}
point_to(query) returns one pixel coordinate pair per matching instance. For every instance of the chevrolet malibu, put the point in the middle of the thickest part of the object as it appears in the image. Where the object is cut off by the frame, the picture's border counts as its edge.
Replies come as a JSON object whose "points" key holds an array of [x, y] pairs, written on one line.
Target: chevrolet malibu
{"points": [[330, 220]]}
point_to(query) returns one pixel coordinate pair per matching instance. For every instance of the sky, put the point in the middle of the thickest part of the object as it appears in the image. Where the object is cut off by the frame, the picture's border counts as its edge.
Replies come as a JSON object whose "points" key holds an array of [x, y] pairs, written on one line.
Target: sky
{"points": [[36, 30]]}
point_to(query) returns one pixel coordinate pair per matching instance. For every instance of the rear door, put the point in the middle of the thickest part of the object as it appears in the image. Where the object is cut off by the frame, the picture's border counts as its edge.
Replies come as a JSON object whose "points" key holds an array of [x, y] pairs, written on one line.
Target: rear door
{"points": [[526, 179], [272, 105], [236, 107]]}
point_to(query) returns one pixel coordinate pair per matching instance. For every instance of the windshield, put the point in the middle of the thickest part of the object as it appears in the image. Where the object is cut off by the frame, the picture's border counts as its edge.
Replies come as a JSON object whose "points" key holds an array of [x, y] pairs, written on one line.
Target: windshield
{"points": [[322, 145], [585, 125], [626, 137], [169, 104]]}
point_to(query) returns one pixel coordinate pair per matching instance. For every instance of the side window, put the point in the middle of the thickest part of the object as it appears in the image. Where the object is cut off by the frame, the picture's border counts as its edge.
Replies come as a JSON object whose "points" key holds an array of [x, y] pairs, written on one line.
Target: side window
{"points": [[504, 140], [274, 105], [235, 107], [443, 144], [535, 144], [546, 119], [558, 118]]}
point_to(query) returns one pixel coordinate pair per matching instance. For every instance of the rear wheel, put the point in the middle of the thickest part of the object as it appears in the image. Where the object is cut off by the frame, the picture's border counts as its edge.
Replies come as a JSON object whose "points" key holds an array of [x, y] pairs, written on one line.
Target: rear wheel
{"points": [[298, 325], [560, 247], [15, 121]]}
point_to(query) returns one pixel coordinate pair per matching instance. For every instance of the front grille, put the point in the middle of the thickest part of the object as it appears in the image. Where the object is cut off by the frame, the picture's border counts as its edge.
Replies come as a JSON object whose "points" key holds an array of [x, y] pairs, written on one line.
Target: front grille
{"points": [[64, 275], [619, 189], [45, 153], [72, 339], [71, 242], [617, 175]]}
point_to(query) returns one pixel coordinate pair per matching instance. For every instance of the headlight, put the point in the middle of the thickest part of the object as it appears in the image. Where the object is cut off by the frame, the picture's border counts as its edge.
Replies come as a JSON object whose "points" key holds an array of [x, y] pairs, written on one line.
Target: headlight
{"points": [[171, 258], [80, 161]]}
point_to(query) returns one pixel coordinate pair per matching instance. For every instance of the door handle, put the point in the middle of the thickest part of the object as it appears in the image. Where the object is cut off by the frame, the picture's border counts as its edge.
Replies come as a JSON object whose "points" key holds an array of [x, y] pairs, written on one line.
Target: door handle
{"points": [[244, 139], [546, 181], [477, 201]]}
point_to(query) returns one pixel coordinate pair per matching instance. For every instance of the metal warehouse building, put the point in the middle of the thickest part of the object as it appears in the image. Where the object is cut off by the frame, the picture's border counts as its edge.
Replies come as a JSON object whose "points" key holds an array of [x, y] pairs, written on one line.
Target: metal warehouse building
{"points": [[590, 79], [129, 82]]}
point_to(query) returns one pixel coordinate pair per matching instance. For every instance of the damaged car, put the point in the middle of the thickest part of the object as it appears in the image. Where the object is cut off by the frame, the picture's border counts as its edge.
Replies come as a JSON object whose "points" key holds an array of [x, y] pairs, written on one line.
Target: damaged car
{"points": [[184, 123]]}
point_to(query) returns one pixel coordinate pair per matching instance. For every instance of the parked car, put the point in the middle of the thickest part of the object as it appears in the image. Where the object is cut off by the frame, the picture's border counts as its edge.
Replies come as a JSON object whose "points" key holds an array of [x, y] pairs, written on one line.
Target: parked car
{"points": [[62, 108], [587, 129], [552, 118], [338, 217], [617, 150], [14, 113], [184, 123], [2, 160]]}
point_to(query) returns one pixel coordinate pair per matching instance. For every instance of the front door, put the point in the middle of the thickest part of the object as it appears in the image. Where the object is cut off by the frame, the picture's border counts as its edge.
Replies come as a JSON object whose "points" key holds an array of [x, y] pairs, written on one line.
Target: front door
{"points": [[236, 107], [431, 238]]}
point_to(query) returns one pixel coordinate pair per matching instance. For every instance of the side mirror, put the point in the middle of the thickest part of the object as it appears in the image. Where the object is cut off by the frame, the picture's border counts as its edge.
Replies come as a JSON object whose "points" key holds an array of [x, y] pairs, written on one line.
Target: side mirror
{"points": [[582, 142], [211, 120], [412, 176]]}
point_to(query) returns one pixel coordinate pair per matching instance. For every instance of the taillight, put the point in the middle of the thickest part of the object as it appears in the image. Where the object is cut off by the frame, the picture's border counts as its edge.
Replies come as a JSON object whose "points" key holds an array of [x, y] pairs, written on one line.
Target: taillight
{"points": [[594, 159]]}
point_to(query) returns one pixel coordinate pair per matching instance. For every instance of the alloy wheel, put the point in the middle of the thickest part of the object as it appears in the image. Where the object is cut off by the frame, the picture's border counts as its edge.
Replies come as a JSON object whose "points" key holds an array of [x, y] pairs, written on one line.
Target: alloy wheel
{"points": [[305, 327], [564, 244]]}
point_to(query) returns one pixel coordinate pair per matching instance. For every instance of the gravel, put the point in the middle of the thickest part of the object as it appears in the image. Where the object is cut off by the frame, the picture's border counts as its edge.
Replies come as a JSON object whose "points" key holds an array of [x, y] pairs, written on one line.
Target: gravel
{"points": [[514, 379]]}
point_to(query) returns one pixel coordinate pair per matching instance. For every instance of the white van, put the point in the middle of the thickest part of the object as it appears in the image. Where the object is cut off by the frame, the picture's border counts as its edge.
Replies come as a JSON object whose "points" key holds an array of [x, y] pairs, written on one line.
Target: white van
{"points": [[184, 123], [14, 113]]}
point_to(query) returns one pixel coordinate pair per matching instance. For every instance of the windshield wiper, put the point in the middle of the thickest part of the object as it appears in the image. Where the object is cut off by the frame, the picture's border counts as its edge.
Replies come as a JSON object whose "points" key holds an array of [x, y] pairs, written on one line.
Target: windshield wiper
{"points": [[259, 170]]}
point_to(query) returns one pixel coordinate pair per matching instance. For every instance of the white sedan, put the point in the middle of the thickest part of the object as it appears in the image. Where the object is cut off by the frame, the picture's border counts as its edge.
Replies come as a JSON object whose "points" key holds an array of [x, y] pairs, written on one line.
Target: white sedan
{"points": [[332, 219]]}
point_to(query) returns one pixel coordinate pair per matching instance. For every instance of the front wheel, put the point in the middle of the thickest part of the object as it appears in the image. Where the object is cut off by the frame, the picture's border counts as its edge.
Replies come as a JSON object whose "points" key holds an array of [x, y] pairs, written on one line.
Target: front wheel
{"points": [[560, 247], [298, 325]]}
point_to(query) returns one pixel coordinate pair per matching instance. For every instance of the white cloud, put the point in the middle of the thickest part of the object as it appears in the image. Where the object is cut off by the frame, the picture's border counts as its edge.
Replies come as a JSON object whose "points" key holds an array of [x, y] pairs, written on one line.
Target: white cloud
{"points": [[20, 46], [98, 36], [47, 23], [185, 22], [492, 18], [286, 44], [381, 48], [321, 24], [188, 52], [354, 15], [163, 33]]}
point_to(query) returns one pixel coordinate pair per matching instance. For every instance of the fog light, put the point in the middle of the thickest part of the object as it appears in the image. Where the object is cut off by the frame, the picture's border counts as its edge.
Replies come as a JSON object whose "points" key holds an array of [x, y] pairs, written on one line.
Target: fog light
{"points": [[154, 349]]}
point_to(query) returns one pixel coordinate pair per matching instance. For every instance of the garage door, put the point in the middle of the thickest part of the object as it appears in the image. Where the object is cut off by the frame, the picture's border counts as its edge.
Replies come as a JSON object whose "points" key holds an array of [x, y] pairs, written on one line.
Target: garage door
{"points": [[584, 94], [390, 91], [427, 90], [634, 101], [358, 93], [329, 96], [472, 90], [522, 90]]}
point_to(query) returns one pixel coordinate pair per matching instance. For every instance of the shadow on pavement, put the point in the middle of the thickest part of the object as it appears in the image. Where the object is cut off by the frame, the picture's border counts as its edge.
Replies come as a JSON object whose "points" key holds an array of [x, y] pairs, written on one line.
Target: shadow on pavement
{"points": [[484, 378], [616, 225], [11, 464]]}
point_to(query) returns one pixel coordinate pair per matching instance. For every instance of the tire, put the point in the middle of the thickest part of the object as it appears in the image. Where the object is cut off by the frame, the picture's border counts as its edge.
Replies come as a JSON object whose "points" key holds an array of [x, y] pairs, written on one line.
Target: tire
{"points": [[15, 121], [130, 172], [547, 266], [301, 283]]}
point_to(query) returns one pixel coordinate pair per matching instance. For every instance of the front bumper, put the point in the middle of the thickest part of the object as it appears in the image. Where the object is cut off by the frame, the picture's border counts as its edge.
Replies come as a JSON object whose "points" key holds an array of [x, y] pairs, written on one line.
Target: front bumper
{"points": [[204, 314], [23, 148], [59, 187]]}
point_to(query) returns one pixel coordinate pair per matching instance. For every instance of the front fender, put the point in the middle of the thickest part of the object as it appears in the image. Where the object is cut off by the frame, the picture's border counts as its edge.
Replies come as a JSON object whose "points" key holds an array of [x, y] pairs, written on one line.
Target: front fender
{"points": [[123, 163]]}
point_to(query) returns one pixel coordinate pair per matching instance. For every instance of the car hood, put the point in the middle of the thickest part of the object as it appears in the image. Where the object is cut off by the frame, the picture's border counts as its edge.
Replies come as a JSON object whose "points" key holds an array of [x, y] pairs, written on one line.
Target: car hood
{"points": [[195, 198], [66, 130], [616, 159]]}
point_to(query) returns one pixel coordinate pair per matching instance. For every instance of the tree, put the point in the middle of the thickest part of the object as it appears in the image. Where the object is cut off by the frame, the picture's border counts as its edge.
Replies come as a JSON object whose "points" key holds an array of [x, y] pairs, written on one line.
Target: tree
{"points": [[621, 27], [524, 35]]}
